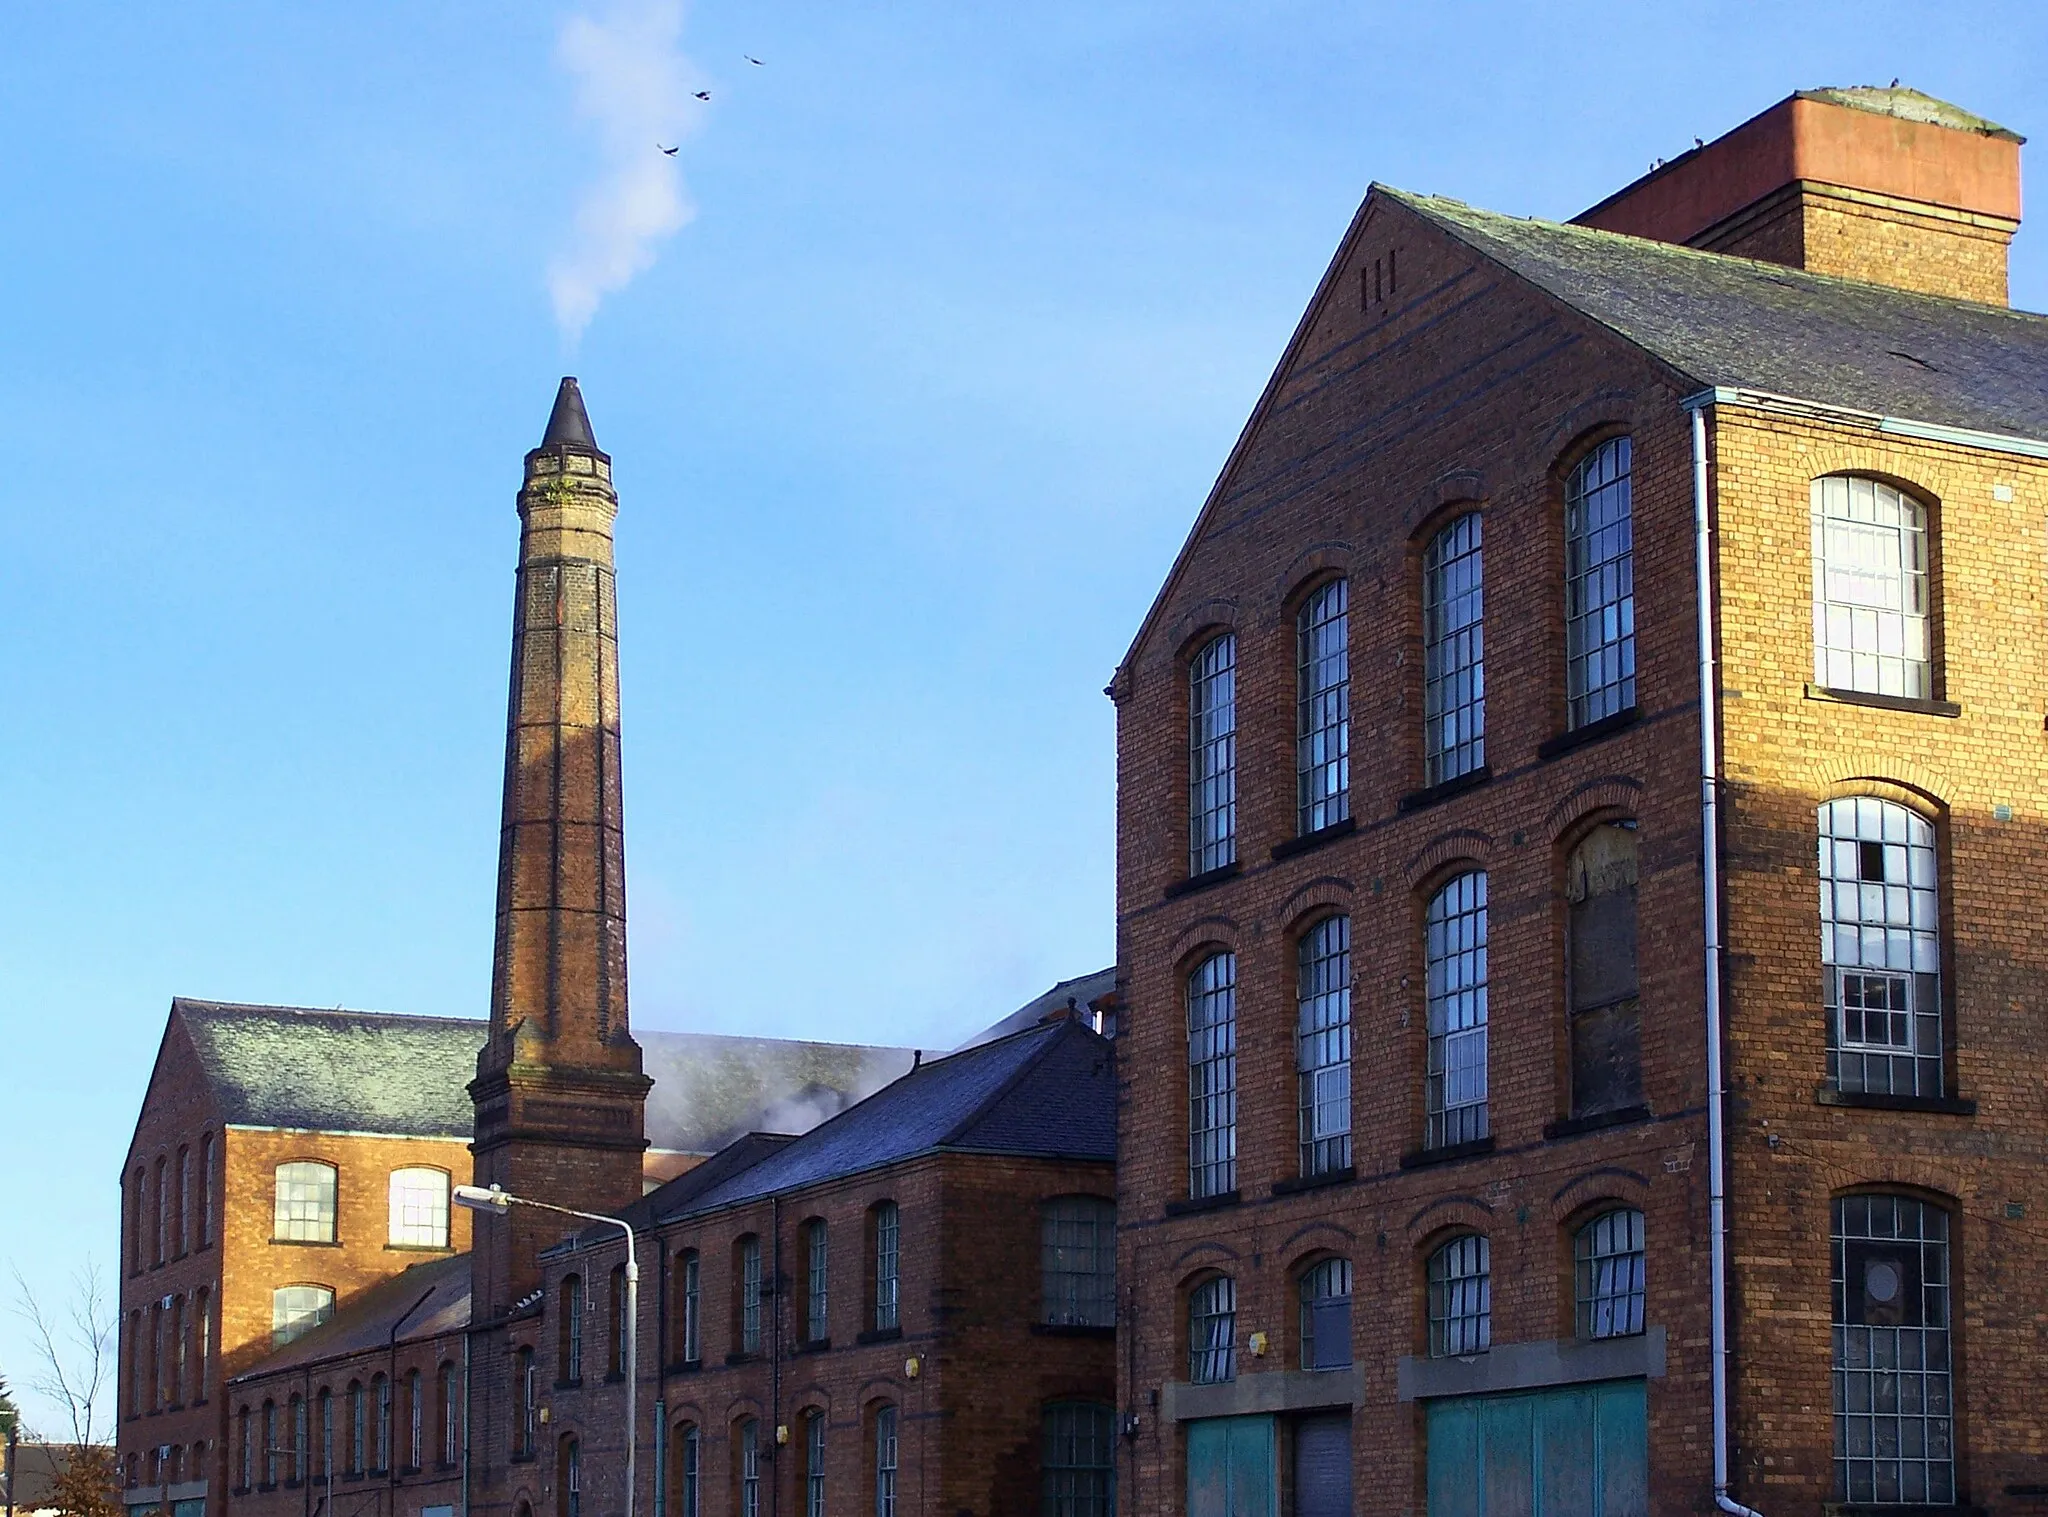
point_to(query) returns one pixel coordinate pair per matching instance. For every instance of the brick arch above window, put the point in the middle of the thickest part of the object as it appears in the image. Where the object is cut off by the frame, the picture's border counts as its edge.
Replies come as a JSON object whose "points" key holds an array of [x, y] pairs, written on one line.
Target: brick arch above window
{"points": [[1609, 1185], [1445, 855], [1312, 568], [1199, 939], [1446, 1215], [1195, 628], [1208, 1257], [1454, 487], [1439, 516], [1333, 1238], [1582, 805], [1927, 803], [1595, 420], [1327, 895]]}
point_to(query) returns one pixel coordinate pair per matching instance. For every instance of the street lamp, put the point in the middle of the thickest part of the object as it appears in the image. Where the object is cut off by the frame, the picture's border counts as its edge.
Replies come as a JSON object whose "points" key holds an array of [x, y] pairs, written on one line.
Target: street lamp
{"points": [[497, 1201]]}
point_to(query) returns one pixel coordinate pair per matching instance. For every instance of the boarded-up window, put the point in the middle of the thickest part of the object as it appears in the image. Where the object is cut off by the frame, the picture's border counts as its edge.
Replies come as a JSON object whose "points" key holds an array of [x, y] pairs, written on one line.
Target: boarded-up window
{"points": [[1606, 1038]]}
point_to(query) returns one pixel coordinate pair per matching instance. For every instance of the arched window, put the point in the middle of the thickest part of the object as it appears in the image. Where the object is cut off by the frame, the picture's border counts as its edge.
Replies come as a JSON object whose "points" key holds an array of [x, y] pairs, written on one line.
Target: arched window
{"points": [[304, 1211], [138, 1365], [296, 1310], [157, 1360], [817, 1282], [270, 1444], [326, 1416], [886, 1223], [184, 1202], [885, 1461], [1894, 1427], [419, 1208], [1212, 1331], [749, 1450], [1322, 732], [358, 1429], [570, 1353], [747, 1305], [416, 1421], [1322, 988], [1325, 1290], [1871, 590], [178, 1346], [1077, 1473], [245, 1434], [529, 1404], [1600, 592], [1212, 1076], [301, 1436], [206, 1191], [163, 1208], [1880, 954], [450, 1407], [202, 1333], [689, 1471], [689, 1348], [137, 1184], [569, 1478], [1461, 1297], [1212, 756], [1608, 1257], [621, 1328], [1453, 653], [1600, 971], [380, 1447], [1077, 1258], [814, 1463], [1455, 967]]}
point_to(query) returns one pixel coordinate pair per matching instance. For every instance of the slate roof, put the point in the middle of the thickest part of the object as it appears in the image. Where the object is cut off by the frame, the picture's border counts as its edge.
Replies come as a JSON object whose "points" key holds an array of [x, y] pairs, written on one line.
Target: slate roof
{"points": [[359, 1071], [1077, 993], [1741, 323], [422, 1302], [1049, 1091]]}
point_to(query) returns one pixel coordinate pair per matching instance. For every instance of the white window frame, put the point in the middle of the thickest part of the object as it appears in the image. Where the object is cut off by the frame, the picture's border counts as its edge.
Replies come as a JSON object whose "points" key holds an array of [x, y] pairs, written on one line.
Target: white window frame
{"points": [[1873, 612], [1212, 1331], [296, 1310], [1322, 1043], [1453, 652], [1600, 596], [1212, 1076], [1212, 755], [306, 1194], [419, 1207], [1461, 1297], [1322, 741], [1324, 1288], [1880, 885], [1608, 1270], [1454, 961]]}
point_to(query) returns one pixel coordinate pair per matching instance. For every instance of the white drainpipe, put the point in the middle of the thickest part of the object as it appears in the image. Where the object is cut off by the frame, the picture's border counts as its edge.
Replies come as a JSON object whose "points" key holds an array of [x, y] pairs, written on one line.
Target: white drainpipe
{"points": [[1710, 880]]}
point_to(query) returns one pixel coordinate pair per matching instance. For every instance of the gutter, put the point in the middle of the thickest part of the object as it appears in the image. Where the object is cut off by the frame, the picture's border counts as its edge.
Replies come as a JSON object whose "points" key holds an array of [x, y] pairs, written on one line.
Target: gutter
{"points": [[1894, 426], [1710, 891]]}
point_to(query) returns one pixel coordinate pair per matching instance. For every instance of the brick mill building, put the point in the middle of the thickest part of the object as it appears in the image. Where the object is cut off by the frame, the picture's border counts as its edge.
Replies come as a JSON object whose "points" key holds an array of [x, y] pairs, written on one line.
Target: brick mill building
{"points": [[1610, 669], [310, 1329]]}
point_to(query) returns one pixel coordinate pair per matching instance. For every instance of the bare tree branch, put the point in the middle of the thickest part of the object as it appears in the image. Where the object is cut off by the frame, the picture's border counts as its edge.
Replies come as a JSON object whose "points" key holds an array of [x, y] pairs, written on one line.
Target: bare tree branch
{"points": [[76, 1350]]}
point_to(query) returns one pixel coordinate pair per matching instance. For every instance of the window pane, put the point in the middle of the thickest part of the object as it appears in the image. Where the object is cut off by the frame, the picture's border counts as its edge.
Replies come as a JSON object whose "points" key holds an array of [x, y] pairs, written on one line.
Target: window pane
{"points": [[1076, 1467], [305, 1203], [1212, 756], [1609, 1255], [1323, 721], [1453, 653], [1326, 1316], [1323, 1045], [1894, 1429], [750, 1295], [298, 1309], [1870, 589], [1880, 947], [1600, 601], [1455, 965], [419, 1208], [1078, 1254], [818, 1295], [1212, 1331], [885, 1462], [886, 1261], [1460, 1298], [1212, 1076]]}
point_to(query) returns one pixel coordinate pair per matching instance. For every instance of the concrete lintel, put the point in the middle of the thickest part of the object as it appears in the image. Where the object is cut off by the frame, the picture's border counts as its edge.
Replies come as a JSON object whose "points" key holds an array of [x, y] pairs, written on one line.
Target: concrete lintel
{"points": [[1531, 1366], [1272, 1391]]}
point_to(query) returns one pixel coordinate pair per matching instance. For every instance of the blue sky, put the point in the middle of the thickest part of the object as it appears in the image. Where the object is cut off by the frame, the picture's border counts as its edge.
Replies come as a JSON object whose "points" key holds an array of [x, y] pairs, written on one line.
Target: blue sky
{"points": [[963, 307]]}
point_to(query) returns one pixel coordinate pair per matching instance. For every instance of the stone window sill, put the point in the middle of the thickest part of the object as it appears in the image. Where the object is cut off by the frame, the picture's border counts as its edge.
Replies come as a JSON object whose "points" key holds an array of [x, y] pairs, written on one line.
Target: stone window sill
{"points": [[305, 1243], [1592, 732], [1203, 881], [1882, 703], [1294, 1185], [1072, 1330], [1870, 1100], [1308, 842], [1450, 1153], [1571, 1127], [1190, 1205], [879, 1335], [814, 1345], [1422, 800], [417, 1248], [743, 1357]]}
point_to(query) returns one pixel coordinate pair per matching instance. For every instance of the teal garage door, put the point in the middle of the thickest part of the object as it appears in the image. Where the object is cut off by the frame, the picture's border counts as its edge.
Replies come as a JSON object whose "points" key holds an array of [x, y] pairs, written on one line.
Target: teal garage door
{"points": [[1231, 1467], [1579, 1451]]}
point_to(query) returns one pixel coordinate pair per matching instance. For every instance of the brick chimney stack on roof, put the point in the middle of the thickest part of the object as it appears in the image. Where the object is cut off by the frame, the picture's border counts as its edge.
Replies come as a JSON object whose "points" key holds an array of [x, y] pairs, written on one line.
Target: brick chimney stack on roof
{"points": [[1885, 185]]}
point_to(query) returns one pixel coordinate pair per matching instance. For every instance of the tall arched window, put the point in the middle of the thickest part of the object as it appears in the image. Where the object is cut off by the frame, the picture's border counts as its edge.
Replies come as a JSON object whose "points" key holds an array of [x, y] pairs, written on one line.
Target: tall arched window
{"points": [[814, 1463], [301, 1437], [202, 1329], [297, 1309], [1212, 1331], [137, 1211], [1322, 1043], [1322, 732], [245, 1435], [569, 1478], [1077, 1470], [1325, 1291], [529, 1404], [886, 1224], [1461, 1297], [621, 1328], [1880, 947], [449, 1406], [358, 1429], [206, 1191], [416, 1421], [1212, 1076], [1600, 592], [747, 1276], [1894, 1395], [178, 1344], [1608, 1260], [1212, 756], [885, 1461], [1600, 971], [380, 1445], [1871, 589], [304, 1209], [184, 1201], [749, 1451], [270, 1443], [163, 1208], [1453, 653], [1455, 970], [817, 1281], [689, 1278], [570, 1352], [325, 1406], [419, 1208], [689, 1471], [1077, 1261]]}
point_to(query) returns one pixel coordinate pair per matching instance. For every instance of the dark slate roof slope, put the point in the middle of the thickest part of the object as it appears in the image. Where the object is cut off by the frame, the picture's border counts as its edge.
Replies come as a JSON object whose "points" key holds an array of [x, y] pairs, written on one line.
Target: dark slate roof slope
{"points": [[425, 1301], [1049, 1090], [336, 1071], [1744, 324], [1077, 993]]}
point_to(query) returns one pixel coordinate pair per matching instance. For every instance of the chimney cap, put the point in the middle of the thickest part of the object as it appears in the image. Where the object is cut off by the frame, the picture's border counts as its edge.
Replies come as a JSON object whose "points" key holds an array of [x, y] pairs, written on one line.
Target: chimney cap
{"points": [[1907, 104], [569, 423]]}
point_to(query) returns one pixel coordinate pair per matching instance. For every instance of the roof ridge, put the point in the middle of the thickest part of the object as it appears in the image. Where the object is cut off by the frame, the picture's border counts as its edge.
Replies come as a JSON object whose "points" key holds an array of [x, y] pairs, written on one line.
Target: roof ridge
{"points": [[202, 1004], [1421, 203]]}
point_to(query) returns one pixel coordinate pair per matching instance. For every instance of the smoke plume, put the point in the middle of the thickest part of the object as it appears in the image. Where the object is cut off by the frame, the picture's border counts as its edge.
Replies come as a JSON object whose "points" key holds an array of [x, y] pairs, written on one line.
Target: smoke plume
{"points": [[631, 84]]}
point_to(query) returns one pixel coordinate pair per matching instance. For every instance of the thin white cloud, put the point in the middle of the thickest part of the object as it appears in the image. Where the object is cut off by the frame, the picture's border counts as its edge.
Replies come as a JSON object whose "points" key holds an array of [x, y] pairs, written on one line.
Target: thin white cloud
{"points": [[631, 82]]}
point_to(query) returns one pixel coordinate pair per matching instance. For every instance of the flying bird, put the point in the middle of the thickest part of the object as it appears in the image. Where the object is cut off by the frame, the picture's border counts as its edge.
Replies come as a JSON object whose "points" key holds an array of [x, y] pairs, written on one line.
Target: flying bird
{"points": [[671, 151], [703, 94], [753, 60]]}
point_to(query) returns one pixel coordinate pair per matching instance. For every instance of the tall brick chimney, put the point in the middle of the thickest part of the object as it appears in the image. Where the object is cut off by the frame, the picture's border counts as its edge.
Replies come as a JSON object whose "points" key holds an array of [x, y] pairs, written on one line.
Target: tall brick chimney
{"points": [[1881, 184], [560, 1097]]}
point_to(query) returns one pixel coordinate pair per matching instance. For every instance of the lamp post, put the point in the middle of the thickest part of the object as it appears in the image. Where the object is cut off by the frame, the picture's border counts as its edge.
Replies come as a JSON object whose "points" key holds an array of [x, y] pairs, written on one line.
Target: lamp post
{"points": [[492, 1199]]}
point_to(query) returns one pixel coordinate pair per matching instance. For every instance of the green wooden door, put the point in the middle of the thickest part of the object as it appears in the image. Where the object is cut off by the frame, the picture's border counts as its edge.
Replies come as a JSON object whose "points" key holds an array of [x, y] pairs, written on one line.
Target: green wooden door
{"points": [[1578, 1451], [1231, 1467]]}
